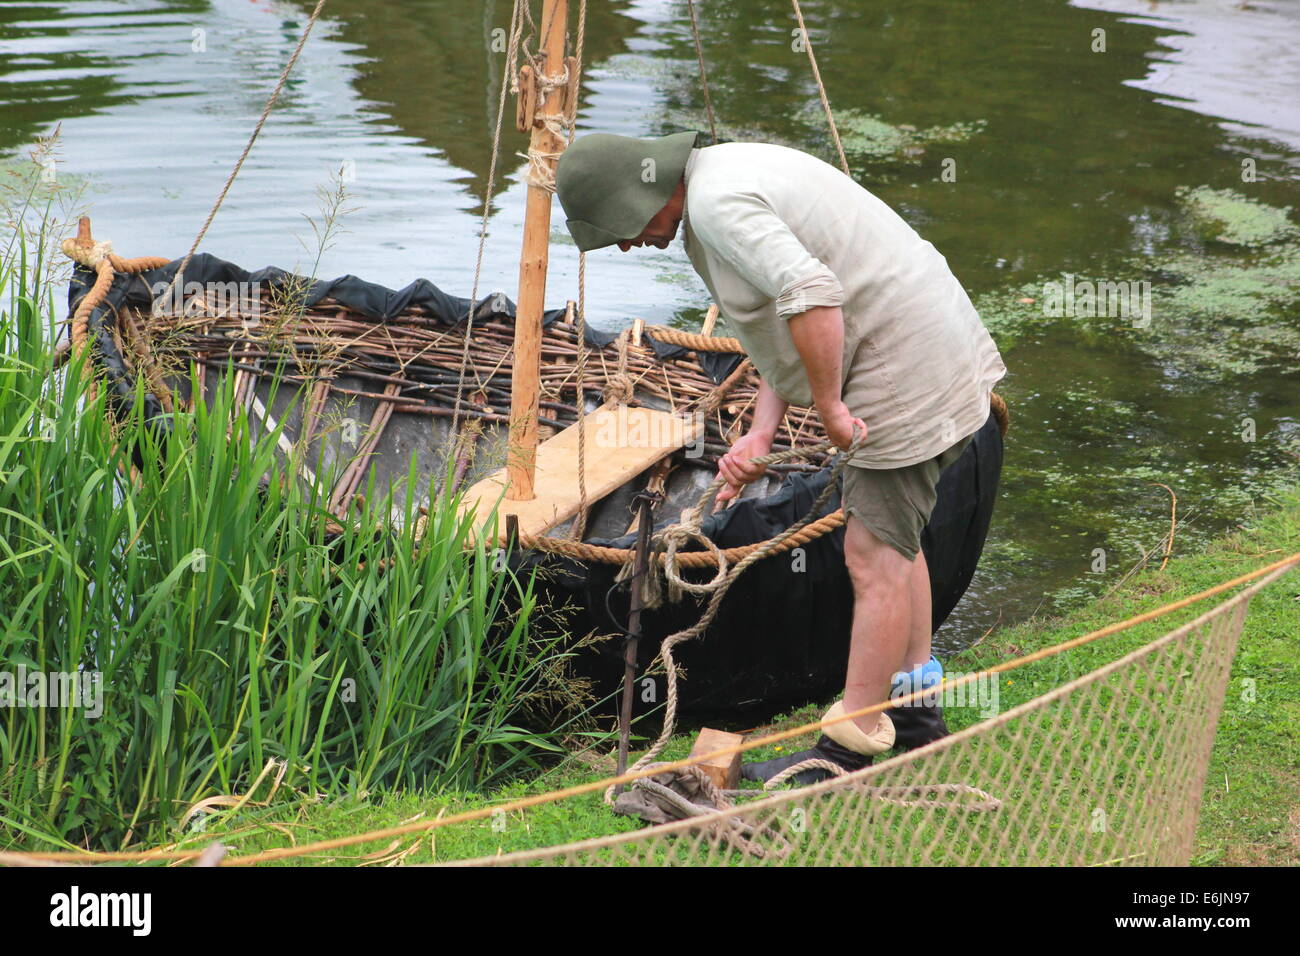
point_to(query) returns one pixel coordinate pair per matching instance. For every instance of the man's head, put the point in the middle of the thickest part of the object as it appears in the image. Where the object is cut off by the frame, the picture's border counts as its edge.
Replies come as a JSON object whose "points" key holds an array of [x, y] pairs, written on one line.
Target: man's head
{"points": [[624, 191]]}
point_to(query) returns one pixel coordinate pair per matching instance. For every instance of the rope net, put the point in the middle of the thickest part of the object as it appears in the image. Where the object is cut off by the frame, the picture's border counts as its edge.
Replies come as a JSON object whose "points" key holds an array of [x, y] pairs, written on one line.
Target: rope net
{"points": [[1107, 768]]}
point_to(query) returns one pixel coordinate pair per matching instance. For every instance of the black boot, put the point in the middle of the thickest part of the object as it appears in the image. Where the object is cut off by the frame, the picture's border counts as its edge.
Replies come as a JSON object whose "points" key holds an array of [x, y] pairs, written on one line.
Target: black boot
{"points": [[915, 726], [825, 749]]}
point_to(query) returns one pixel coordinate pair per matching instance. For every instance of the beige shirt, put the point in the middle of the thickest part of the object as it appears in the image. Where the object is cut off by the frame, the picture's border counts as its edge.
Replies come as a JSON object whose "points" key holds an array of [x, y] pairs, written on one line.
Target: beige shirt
{"points": [[774, 232]]}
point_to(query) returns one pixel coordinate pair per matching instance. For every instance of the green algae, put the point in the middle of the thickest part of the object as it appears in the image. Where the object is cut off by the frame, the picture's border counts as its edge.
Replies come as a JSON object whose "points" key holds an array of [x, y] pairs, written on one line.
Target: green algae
{"points": [[1224, 312], [869, 137], [1225, 215], [1231, 313]]}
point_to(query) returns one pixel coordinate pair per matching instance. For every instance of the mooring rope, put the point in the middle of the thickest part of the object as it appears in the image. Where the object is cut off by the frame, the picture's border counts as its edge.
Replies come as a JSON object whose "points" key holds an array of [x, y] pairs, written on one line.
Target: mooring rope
{"points": [[704, 73], [695, 341], [821, 90], [248, 148], [579, 526], [585, 551], [516, 28]]}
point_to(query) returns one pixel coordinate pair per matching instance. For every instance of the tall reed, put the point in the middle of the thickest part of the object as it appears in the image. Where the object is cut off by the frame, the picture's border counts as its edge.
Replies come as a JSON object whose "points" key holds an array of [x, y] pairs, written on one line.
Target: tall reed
{"points": [[226, 625]]}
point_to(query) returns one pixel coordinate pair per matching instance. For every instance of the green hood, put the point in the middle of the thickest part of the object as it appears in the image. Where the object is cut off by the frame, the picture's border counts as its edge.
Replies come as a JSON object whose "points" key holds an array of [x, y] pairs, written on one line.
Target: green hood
{"points": [[602, 184]]}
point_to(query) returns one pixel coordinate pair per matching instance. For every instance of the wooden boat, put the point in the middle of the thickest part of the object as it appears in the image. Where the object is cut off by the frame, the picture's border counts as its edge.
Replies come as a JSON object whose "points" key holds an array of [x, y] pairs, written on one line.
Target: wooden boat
{"points": [[518, 396], [381, 372]]}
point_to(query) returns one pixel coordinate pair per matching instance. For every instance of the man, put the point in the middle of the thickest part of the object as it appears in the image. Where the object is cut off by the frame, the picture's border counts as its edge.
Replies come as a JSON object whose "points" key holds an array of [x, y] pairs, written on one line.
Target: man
{"points": [[841, 307]]}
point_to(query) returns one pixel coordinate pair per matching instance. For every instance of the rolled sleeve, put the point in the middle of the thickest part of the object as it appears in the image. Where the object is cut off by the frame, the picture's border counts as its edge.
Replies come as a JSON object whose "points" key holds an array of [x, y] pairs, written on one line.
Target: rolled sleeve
{"points": [[819, 289], [744, 231]]}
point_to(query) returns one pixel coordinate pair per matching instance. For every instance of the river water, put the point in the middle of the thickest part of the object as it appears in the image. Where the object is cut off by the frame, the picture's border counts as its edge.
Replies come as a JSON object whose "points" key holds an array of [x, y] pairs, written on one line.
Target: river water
{"points": [[1032, 142]]}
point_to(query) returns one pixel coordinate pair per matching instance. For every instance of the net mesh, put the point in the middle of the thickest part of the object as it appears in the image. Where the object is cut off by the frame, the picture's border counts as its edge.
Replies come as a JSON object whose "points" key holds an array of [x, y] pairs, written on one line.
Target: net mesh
{"points": [[1105, 769]]}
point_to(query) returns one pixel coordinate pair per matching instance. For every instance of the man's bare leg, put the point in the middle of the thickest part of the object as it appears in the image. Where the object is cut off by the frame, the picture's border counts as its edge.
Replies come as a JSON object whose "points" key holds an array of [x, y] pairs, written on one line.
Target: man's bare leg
{"points": [[918, 644], [883, 602]]}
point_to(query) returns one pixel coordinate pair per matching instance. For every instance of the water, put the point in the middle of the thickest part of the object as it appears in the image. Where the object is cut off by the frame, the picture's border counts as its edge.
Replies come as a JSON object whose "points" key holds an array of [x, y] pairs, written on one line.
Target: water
{"points": [[1066, 159]]}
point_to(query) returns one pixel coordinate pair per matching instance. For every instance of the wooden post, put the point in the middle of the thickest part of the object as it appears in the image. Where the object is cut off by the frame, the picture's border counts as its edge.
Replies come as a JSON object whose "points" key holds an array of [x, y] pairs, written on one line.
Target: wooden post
{"points": [[640, 568], [521, 456]]}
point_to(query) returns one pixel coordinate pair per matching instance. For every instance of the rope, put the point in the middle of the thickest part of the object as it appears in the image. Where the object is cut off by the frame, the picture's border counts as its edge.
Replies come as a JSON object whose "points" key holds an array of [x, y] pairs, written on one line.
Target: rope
{"points": [[579, 527], [713, 400], [541, 163], [584, 551], [720, 585], [619, 386], [821, 90], [721, 343], [248, 148], [508, 81], [80, 332], [748, 838], [704, 74], [898, 795], [694, 340], [998, 406], [739, 833]]}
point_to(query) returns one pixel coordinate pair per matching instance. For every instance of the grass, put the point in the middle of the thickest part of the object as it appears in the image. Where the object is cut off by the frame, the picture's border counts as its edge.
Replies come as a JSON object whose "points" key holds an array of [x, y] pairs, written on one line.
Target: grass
{"points": [[1251, 808]]}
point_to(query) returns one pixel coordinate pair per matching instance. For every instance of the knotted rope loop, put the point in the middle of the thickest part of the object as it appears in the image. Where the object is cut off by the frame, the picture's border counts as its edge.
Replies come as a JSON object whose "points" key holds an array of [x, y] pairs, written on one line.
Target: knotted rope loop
{"points": [[541, 163], [671, 799], [667, 543], [673, 537]]}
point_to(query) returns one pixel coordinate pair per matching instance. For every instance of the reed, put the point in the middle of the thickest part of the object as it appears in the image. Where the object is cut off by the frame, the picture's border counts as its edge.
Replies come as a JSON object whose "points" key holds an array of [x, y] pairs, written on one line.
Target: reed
{"points": [[225, 620]]}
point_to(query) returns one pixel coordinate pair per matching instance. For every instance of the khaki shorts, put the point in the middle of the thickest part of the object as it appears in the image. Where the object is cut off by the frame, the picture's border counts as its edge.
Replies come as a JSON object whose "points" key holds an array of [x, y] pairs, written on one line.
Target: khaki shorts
{"points": [[895, 503]]}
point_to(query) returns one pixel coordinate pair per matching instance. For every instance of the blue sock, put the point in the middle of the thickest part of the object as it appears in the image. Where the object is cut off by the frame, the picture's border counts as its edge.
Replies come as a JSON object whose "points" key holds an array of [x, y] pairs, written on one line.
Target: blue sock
{"points": [[927, 675]]}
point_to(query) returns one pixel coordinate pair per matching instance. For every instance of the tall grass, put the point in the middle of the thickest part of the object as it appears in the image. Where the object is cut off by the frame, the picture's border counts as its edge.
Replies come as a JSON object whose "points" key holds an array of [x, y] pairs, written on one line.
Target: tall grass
{"points": [[229, 628]]}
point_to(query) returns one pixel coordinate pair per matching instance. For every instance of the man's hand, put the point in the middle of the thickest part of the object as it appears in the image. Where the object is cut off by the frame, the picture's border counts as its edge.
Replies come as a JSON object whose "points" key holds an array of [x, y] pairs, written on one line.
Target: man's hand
{"points": [[841, 427], [735, 468]]}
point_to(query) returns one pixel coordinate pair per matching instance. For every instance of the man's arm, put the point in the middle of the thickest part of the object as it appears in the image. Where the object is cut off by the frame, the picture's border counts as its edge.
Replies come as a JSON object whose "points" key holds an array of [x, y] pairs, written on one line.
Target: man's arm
{"points": [[734, 466], [769, 409], [819, 338]]}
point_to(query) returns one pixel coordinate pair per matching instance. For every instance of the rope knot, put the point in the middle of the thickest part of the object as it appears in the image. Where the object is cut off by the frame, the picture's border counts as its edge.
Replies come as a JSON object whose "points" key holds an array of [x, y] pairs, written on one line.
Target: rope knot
{"points": [[619, 389], [89, 254]]}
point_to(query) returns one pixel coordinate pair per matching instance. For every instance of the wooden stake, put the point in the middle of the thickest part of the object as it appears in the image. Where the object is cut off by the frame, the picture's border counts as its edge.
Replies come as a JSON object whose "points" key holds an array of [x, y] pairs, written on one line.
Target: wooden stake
{"points": [[640, 568], [521, 458], [710, 320]]}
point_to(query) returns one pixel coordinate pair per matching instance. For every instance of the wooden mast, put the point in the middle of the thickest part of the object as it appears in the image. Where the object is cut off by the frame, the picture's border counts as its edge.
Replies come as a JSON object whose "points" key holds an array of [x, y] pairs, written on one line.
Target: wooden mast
{"points": [[521, 460]]}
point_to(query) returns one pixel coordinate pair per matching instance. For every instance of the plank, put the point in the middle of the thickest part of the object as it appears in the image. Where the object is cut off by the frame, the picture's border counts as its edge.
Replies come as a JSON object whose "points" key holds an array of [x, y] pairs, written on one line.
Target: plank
{"points": [[622, 442], [723, 771]]}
